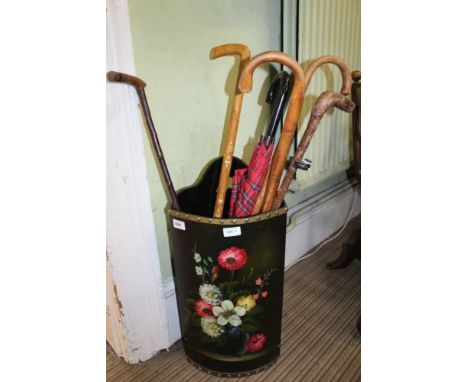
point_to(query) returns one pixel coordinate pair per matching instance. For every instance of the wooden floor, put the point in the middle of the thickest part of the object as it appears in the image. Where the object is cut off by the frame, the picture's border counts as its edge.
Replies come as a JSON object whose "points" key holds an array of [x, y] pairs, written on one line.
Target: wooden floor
{"points": [[320, 341]]}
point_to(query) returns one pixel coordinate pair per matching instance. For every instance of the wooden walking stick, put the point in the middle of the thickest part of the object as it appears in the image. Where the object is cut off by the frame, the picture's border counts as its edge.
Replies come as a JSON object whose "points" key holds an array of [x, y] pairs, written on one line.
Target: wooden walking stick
{"points": [[345, 88], [327, 100], [244, 53], [290, 124], [344, 69], [139, 86]]}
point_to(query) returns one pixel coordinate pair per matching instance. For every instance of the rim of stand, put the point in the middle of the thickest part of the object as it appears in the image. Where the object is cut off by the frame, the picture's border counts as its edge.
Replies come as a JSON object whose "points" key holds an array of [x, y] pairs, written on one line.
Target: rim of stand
{"points": [[227, 221]]}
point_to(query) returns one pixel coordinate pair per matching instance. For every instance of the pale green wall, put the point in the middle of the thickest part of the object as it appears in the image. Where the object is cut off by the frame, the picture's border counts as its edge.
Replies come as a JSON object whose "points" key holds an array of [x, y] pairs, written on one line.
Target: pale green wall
{"points": [[188, 93]]}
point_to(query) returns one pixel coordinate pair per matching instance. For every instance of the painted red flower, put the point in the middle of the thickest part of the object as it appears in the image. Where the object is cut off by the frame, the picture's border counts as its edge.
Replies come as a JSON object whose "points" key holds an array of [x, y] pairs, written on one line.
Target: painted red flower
{"points": [[203, 308], [255, 296], [256, 342], [232, 258], [264, 294], [258, 281]]}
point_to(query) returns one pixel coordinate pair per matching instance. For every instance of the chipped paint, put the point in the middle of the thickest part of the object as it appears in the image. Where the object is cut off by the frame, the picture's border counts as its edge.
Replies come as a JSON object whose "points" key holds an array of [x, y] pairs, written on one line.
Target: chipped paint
{"points": [[117, 300]]}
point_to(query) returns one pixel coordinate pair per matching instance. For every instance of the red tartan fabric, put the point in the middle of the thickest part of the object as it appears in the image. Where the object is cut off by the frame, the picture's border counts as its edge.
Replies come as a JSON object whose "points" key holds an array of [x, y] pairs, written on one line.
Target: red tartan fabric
{"points": [[247, 182]]}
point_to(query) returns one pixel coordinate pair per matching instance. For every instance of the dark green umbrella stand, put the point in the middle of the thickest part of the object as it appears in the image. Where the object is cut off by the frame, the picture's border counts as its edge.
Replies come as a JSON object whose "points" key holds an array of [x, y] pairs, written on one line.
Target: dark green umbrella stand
{"points": [[229, 287]]}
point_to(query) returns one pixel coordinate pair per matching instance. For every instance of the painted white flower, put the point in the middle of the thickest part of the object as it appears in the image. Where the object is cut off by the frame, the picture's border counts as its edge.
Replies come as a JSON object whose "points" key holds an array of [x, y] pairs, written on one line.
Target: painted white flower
{"points": [[197, 257], [199, 270], [210, 294], [210, 326], [227, 313]]}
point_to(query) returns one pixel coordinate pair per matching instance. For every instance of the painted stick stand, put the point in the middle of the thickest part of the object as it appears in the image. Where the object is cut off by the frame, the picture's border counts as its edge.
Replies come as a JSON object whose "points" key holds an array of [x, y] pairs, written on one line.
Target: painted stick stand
{"points": [[229, 287]]}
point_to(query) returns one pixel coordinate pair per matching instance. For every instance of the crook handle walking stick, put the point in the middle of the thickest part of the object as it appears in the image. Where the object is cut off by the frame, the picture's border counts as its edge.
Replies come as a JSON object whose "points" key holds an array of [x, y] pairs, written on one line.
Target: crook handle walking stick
{"points": [[139, 86], [346, 82], [244, 53], [327, 100], [292, 116], [344, 69]]}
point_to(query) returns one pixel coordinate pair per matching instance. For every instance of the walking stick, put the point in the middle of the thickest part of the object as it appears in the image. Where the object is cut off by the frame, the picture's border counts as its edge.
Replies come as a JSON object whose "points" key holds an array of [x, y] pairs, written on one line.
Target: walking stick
{"points": [[244, 53], [327, 100], [139, 86], [290, 124], [344, 69], [345, 90]]}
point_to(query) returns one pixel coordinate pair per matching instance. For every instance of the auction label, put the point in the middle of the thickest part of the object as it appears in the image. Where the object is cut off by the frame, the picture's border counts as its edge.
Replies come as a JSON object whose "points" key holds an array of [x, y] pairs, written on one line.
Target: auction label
{"points": [[232, 231], [178, 224]]}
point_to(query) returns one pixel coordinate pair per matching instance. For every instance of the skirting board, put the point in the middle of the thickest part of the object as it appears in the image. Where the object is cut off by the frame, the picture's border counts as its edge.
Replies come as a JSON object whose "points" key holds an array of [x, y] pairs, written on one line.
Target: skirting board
{"points": [[309, 224], [312, 222]]}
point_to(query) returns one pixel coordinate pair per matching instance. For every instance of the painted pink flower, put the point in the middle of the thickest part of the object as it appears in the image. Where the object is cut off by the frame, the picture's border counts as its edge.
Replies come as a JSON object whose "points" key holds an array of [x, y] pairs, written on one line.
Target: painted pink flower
{"points": [[232, 258], [203, 308], [264, 294], [255, 296], [256, 342], [258, 281]]}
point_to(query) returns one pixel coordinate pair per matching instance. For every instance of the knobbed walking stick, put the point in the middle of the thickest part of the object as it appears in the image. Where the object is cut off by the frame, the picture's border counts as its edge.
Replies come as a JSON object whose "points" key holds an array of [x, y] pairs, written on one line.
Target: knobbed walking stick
{"points": [[139, 86], [292, 116], [327, 100], [244, 53]]}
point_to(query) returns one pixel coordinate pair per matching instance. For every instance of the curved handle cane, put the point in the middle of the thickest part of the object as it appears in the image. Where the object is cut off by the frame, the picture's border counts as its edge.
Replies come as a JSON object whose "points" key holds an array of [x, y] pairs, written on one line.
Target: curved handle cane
{"points": [[346, 80], [327, 100], [244, 53], [292, 116], [344, 69], [139, 86]]}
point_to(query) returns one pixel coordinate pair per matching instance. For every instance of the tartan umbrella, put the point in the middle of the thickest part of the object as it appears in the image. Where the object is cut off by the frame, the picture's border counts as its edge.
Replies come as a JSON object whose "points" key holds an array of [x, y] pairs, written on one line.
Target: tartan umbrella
{"points": [[247, 182]]}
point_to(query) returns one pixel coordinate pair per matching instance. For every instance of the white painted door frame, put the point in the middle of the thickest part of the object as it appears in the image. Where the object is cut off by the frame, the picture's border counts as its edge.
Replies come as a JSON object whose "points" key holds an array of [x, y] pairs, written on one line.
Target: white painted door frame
{"points": [[136, 311]]}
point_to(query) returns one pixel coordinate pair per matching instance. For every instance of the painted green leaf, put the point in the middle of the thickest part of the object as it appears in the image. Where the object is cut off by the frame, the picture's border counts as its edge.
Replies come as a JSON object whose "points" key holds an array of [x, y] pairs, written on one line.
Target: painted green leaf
{"points": [[196, 319], [248, 328], [258, 309], [191, 301]]}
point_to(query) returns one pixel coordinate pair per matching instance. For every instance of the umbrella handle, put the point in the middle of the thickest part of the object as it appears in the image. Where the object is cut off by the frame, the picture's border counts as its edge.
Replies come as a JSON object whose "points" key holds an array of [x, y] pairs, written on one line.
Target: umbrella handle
{"points": [[244, 53], [277, 96], [327, 100], [344, 69], [139, 86], [292, 116]]}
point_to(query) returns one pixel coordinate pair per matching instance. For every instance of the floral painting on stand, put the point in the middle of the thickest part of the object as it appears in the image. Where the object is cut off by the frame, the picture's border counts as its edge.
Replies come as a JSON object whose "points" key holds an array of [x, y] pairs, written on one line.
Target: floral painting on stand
{"points": [[227, 311]]}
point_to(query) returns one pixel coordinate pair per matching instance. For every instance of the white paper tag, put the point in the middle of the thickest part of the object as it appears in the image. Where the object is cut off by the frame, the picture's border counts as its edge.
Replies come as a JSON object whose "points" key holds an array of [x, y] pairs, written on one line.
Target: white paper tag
{"points": [[178, 224], [231, 231]]}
